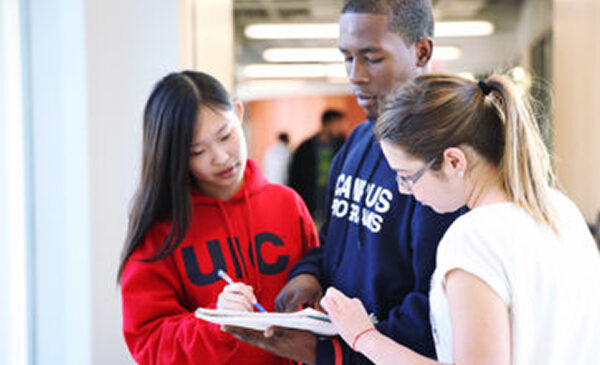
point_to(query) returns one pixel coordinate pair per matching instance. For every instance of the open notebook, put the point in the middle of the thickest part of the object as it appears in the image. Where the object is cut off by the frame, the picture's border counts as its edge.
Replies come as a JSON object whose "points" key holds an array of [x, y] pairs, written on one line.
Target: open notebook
{"points": [[307, 319]]}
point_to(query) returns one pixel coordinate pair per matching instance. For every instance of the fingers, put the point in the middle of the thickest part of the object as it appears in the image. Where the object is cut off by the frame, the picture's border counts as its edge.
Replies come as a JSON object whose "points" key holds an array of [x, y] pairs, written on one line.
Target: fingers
{"points": [[331, 302], [317, 303], [252, 337], [273, 331], [238, 296], [294, 302], [331, 291], [296, 345], [287, 300], [328, 304], [269, 332], [301, 290], [241, 289]]}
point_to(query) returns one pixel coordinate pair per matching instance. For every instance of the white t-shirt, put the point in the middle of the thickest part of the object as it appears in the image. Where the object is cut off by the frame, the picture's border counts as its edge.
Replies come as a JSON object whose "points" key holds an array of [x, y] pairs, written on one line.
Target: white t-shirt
{"points": [[550, 284]]}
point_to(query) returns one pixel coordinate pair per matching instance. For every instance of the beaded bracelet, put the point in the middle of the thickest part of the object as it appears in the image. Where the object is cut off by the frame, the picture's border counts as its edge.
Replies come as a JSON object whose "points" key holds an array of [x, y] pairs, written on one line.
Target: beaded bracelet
{"points": [[360, 334]]}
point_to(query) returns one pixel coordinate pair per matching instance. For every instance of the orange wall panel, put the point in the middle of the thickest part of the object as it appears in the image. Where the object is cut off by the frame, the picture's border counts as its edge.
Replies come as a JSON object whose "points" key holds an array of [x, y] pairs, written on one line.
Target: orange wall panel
{"points": [[299, 116]]}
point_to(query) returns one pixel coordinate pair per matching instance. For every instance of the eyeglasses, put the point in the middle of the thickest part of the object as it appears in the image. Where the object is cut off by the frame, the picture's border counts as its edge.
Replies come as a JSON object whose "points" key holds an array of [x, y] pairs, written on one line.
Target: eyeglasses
{"points": [[407, 182]]}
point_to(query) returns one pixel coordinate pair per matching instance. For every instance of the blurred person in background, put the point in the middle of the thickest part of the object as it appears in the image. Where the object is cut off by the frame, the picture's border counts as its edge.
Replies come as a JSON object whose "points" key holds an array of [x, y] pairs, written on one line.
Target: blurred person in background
{"points": [[277, 160], [311, 162]]}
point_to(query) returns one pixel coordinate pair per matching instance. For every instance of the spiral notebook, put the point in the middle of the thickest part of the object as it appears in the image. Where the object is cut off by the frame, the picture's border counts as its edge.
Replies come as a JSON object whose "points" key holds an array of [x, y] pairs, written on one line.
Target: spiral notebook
{"points": [[307, 319]]}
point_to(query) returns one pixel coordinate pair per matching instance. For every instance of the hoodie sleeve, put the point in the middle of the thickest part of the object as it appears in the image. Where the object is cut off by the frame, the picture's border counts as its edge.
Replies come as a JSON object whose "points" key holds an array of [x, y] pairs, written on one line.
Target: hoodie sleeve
{"points": [[408, 322], [158, 328]]}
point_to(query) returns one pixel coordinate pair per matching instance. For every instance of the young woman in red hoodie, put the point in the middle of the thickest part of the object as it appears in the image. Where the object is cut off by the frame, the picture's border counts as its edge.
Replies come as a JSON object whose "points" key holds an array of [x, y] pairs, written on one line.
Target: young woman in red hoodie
{"points": [[201, 206]]}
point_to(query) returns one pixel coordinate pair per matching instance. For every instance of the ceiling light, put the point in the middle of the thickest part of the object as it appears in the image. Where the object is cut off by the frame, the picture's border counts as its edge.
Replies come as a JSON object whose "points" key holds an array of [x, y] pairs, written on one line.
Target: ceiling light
{"points": [[294, 71], [331, 30], [328, 55], [293, 31], [476, 28], [303, 55], [518, 74], [446, 53], [467, 75]]}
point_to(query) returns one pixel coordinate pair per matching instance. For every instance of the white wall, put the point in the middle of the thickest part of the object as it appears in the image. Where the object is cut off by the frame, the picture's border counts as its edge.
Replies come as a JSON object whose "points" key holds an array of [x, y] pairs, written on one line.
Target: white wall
{"points": [[206, 36], [93, 64], [535, 20], [130, 45], [576, 31]]}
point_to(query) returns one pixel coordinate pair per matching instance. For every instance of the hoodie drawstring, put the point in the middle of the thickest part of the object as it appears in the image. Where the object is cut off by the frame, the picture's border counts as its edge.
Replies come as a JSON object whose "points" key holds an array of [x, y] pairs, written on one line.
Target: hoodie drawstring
{"points": [[355, 175], [233, 244], [250, 274], [253, 247], [361, 228]]}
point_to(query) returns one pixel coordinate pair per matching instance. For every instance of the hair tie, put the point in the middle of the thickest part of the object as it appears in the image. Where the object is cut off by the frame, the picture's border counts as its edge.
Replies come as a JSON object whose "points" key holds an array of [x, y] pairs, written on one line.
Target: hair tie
{"points": [[485, 89]]}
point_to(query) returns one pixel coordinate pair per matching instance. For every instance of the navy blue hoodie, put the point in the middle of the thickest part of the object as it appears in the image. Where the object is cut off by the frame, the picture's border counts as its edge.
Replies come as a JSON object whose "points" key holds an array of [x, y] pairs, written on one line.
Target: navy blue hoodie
{"points": [[377, 245]]}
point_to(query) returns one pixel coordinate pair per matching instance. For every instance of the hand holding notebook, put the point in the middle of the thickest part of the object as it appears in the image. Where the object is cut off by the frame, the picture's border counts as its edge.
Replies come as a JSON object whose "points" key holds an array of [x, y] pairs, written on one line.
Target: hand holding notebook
{"points": [[307, 319]]}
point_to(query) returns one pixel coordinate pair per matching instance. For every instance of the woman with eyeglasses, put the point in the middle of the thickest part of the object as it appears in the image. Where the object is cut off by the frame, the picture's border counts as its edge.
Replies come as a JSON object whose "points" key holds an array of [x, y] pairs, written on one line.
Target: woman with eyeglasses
{"points": [[518, 277]]}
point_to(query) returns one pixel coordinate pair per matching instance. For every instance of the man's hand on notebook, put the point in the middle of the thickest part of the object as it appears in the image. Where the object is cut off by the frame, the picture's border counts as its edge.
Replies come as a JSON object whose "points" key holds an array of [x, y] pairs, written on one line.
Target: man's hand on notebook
{"points": [[289, 343], [301, 291]]}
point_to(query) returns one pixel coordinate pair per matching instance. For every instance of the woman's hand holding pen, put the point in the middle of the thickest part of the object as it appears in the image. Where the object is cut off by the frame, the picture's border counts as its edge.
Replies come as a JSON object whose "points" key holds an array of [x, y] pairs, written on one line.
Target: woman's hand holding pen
{"points": [[237, 296]]}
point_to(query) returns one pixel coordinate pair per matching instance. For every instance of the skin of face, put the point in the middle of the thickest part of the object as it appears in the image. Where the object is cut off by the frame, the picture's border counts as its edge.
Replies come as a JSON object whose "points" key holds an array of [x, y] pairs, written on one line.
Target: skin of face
{"points": [[443, 190], [218, 152], [376, 59]]}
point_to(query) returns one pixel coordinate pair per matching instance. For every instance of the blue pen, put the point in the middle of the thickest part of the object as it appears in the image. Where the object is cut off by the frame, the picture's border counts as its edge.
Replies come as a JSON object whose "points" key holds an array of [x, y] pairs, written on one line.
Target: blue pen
{"points": [[223, 275]]}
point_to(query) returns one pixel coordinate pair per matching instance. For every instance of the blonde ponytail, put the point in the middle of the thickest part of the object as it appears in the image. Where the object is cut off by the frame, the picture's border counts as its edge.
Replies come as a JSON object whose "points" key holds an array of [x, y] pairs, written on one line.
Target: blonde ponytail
{"points": [[526, 168], [436, 111]]}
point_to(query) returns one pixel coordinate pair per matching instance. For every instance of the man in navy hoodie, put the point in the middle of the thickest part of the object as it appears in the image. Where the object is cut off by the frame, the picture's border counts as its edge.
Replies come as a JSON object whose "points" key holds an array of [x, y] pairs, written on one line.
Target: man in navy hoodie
{"points": [[376, 244]]}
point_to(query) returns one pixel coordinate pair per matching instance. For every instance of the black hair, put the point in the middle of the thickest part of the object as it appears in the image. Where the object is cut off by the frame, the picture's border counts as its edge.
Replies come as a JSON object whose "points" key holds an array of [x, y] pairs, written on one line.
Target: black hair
{"points": [[163, 192], [331, 115], [283, 137], [411, 19]]}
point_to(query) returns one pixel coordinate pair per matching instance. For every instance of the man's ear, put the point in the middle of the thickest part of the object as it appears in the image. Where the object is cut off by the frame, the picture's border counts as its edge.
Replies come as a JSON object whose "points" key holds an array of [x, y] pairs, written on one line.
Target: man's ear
{"points": [[423, 51]]}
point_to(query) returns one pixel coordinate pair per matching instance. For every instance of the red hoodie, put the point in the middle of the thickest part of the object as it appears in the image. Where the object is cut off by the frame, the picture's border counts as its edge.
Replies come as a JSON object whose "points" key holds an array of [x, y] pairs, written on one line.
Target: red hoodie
{"points": [[159, 298]]}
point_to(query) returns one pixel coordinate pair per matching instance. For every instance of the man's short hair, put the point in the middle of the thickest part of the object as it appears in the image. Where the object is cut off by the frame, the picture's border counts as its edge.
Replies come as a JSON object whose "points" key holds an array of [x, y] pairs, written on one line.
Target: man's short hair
{"points": [[331, 115], [284, 137], [411, 19]]}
